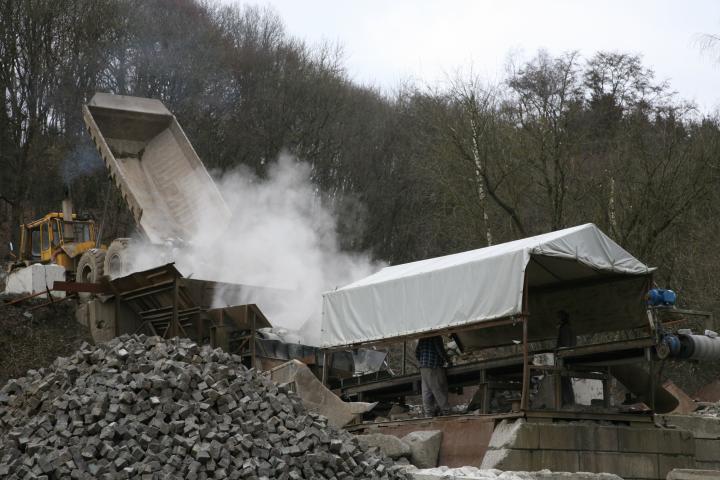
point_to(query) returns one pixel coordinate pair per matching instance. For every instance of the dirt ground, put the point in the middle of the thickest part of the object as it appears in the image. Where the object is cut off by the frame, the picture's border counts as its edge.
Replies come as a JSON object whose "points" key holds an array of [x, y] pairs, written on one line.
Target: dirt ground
{"points": [[31, 339]]}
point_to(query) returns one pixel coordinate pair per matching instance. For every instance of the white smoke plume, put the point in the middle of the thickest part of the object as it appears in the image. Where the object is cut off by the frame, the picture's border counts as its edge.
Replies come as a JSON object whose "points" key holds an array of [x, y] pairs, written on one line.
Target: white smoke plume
{"points": [[281, 237]]}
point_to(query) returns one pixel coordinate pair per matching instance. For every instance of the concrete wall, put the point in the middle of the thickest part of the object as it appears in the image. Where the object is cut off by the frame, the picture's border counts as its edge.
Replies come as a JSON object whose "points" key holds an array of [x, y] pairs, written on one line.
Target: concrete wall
{"points": [[706, 431], [470, 474], [647, 453]]}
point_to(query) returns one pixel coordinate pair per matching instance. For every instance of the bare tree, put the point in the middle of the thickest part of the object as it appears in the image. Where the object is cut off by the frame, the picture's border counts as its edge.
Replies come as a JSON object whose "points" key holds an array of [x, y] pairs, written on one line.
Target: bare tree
{"points": [[546, 94]]}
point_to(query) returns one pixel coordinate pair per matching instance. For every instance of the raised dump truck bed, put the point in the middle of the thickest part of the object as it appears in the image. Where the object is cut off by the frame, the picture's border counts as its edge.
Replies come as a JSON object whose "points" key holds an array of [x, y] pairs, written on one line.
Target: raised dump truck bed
{"points": [[152, 162]]}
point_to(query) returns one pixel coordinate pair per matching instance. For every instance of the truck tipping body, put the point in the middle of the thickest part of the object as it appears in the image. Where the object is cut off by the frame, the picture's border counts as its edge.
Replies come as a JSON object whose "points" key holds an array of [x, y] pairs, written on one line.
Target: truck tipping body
{"points": [[156, 169]]}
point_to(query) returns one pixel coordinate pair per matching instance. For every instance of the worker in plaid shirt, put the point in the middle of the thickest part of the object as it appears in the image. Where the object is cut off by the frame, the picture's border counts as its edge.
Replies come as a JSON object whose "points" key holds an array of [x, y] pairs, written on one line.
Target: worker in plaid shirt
{"points": [[432, 358]]}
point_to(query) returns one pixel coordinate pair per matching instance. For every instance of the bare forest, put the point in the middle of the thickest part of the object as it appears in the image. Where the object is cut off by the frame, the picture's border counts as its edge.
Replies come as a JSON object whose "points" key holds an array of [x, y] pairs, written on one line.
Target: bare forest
{"points": [[419, 172]]}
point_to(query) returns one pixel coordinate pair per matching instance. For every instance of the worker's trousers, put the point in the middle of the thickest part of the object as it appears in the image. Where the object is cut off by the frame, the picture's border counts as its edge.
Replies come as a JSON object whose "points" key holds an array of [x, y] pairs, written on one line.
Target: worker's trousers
{"points": [[434, 391]]}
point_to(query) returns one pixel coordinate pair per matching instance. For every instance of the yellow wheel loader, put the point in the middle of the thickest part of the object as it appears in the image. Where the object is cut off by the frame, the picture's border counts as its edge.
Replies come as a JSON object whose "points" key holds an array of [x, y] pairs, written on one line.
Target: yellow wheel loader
{"points": [[53, 239]]}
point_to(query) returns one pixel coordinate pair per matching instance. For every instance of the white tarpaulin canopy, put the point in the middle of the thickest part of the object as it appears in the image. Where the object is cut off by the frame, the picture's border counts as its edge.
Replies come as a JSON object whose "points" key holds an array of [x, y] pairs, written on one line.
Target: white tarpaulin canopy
{"points": [[469, 287]]}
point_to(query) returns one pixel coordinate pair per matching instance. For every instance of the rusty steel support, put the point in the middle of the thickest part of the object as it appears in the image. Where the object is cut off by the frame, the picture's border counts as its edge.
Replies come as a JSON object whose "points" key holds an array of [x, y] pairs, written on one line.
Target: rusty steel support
{"points": [[525, 398], [27, 297], [252, 339], [174, 330], [325, 367]]}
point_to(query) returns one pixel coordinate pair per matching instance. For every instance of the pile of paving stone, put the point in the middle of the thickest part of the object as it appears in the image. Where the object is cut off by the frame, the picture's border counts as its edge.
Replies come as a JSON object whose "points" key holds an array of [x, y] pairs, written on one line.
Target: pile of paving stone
{"points": [[143, 407]]}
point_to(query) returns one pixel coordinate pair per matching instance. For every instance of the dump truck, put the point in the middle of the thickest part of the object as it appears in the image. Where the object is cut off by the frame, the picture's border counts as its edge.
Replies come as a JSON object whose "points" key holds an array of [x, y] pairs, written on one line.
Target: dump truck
{"points": [[150, 160]]}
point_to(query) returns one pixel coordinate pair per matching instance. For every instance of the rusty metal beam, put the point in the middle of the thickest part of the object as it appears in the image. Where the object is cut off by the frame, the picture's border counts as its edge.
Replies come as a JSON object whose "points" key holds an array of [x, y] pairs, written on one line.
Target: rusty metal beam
{"points": [[606, 347], [77, 287]]}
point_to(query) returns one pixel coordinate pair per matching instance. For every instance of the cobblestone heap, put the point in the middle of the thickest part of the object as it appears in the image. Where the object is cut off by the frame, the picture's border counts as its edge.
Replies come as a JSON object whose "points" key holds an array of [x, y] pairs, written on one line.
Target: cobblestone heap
{"points": [[143, 407]]}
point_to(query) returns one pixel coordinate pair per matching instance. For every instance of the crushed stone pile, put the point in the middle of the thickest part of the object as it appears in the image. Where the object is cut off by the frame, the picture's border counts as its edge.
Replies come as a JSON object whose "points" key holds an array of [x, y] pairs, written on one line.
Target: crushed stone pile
{"points": [[144, 407]]}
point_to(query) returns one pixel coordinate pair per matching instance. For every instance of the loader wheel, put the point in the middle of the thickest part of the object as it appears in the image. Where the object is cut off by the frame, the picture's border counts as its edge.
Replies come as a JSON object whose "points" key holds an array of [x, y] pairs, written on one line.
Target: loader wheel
{"points": [[117, 259], [90, 266]]}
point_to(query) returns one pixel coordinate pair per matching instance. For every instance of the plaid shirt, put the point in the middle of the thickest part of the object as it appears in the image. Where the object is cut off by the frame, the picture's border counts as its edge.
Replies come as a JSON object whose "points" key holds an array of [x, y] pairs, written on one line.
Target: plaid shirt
{"points": [[430, 352]]}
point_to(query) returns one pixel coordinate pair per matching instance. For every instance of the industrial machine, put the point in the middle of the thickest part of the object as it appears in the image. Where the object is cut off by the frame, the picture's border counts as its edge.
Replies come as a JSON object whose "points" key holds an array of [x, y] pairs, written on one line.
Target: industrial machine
{"points": [[170, 194], [158, 174], [154, 166], [56, 239]]}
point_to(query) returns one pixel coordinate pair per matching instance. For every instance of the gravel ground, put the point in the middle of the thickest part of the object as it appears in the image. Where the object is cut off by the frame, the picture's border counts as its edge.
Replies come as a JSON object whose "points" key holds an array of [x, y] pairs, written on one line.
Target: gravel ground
{"points": [[33, 339]]}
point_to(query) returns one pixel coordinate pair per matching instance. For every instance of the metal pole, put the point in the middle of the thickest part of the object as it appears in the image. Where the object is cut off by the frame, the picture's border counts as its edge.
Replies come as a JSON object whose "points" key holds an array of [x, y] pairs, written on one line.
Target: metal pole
{"points": [[524, 399], [174, 328], [325, 367], [485, 408], [526, 368], [404, 353], [252, 339]]}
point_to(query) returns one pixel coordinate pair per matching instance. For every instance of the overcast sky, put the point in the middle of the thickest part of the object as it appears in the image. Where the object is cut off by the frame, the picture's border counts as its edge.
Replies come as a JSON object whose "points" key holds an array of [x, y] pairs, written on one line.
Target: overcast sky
{"points": [[387, 42]]}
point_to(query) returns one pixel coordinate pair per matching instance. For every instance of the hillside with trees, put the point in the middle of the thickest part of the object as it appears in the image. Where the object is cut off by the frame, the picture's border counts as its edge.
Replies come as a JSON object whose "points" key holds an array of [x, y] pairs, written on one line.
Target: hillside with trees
{"points": [[561, 140]]}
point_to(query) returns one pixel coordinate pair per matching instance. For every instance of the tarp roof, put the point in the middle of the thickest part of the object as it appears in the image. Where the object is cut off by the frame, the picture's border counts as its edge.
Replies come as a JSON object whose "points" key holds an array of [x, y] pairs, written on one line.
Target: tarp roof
{"points": [[468, 287]]}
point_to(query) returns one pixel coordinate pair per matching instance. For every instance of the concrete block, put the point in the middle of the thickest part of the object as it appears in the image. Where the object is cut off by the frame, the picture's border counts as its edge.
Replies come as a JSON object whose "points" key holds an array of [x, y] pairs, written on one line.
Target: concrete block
{"points": [[707, 465], [559, 436], [35, 278], [666, 463], [516, 434], [699, 426], [707, 450], [636, 440], [676, 442], [626, 465], [556, 460], [693, 474], [508, 459], [597, 438]]}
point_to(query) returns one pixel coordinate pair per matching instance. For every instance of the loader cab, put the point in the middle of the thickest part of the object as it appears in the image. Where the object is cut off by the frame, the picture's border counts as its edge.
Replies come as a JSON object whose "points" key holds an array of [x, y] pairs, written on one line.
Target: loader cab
{"points": [[52, 240]]}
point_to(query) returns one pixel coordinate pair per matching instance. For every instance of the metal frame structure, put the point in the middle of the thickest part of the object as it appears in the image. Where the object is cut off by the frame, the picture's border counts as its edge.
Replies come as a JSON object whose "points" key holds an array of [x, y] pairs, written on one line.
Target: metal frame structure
{"points": [[595, 361]]}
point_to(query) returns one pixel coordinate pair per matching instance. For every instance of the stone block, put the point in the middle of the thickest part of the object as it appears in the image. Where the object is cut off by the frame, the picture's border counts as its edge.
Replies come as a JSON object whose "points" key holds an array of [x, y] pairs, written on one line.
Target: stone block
{"points": [[693, 474], [670, 462], [508, 459], [515, 434], [390, 445], [626, 465], [655, 440], [424, 447], [707, 465], [707, 450], [699, 426], [597, 438], [559, 436], [676, 442], [637, 440], [556, 460]]}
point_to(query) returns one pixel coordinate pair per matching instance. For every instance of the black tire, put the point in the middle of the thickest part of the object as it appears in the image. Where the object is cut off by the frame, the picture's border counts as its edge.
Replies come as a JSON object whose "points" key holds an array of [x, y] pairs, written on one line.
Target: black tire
{"points": [[91, 266], [117, 261]]}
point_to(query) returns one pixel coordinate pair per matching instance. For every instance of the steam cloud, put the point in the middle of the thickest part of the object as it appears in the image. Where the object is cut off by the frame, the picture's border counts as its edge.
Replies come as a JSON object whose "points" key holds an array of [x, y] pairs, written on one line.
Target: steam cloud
{"points": [[280, 237]]}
